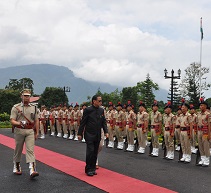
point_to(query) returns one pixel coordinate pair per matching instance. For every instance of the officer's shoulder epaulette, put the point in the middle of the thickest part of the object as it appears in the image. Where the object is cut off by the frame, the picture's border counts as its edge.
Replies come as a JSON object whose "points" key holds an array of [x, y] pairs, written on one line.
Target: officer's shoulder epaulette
{"points": [[16, 105], [32, 104]]}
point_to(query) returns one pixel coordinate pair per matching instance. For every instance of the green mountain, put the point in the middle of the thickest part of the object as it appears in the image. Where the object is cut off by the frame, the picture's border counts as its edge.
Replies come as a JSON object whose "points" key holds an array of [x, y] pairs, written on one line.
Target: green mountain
{"points": [[48, 75]]}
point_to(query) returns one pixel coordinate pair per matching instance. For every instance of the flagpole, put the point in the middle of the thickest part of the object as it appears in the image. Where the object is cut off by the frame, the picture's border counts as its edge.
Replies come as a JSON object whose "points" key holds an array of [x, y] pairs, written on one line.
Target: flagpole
{"points": [[200, 74]]}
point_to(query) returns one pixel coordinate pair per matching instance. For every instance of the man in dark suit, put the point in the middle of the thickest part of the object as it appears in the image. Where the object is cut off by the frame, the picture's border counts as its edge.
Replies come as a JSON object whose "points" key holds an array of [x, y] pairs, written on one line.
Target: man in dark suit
{"points": [[92, 121]]}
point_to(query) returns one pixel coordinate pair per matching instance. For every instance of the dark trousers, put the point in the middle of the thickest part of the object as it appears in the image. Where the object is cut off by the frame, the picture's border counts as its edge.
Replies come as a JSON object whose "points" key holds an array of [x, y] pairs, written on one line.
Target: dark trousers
{"points": [[91, 155]]}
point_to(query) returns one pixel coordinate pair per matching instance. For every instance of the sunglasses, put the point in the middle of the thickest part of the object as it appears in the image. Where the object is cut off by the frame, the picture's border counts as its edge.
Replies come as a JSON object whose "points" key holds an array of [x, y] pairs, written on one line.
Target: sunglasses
{"points": [[100, 101]]}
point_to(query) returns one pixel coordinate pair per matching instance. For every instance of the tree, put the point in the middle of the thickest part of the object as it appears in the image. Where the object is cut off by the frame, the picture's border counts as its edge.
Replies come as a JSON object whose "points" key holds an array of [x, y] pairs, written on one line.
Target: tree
{"points": [[113, 97], [130, 93], [53, 96], [8, 98], [145, 90], [15, 84], [190, 84]]}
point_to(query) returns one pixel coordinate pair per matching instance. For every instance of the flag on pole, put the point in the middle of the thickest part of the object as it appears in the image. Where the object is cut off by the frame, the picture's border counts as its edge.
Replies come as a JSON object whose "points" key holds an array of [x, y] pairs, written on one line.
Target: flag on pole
{"points": [[201, 29]]}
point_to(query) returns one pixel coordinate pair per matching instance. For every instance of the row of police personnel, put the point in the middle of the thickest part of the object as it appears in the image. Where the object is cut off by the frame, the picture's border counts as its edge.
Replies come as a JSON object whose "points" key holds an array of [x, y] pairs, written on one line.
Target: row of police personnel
{"points": [[184, 129]]}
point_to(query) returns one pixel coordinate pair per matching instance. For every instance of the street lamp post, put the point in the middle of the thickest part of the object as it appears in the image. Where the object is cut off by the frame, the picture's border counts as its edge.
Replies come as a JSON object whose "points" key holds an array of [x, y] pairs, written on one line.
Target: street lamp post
{"points": [[65, 89], [172, 77]]}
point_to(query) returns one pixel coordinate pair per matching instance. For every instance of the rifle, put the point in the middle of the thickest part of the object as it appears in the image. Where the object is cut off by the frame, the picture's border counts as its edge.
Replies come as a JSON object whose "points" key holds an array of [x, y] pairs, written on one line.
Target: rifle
{"points": [[115, 142], [136, 145], [164, 147], [198, 157], [106, 142], [180, 152], [125, 143], [150, 147]]}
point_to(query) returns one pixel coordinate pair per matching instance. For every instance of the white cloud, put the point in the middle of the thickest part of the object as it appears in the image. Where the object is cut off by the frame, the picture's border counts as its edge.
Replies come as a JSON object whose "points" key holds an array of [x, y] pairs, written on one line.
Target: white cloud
{"points": [[118, 42]]}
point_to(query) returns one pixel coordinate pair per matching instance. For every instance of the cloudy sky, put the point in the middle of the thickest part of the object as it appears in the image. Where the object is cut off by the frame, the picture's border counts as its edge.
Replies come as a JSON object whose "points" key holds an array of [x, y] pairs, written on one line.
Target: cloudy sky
{"points": [[113, 41]]}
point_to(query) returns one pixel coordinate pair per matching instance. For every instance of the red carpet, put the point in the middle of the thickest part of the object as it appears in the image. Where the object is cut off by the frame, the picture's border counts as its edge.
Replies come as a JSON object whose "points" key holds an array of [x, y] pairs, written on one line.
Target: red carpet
{"points": [[106, 180]]}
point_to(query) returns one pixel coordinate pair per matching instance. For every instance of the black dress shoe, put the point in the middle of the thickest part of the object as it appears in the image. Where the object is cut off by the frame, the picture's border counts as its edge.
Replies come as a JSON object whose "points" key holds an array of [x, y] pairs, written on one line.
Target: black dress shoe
{"points": [[94, 173], [89, 174]]}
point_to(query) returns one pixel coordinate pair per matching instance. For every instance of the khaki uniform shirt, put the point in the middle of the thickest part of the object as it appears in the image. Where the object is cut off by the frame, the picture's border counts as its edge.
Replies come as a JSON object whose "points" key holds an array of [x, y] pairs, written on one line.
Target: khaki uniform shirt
{"points": [[30, 112], [156, 118], [203, 118], [142, 117], [169, 120], [185, 120]]}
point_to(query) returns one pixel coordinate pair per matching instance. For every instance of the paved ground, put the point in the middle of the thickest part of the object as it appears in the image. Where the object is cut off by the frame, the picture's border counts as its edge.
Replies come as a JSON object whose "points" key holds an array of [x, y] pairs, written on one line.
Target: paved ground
{"points": [[183, 178]]}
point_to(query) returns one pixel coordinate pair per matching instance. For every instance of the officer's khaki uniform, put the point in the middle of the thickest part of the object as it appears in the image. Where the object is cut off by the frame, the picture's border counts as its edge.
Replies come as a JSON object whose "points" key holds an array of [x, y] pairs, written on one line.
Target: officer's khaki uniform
{"points": [[71, 121], [169, 121], [185, 127], [59, 122], [42, 120], [76, 118], [203, 121], [194, 132], [177, 130], [130, 130], [52, 121], [120, 121], [142, 126], [110, 115], [156, 120], [24, 135], [65, 123]]}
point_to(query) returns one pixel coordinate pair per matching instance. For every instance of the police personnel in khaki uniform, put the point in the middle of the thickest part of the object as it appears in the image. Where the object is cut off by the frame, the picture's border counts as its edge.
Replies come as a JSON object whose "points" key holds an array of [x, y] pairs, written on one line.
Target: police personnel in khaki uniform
{"points": [[156, 123], [120, 122], [110, 114], [52, 120], [194, 130], [169, 124], [203, 124], [77, 119], [71, 121], [142, 127], [65, 122], [177, 128], [24, 118], [132, 127], [42, 119], [186, 132], [59, 121]]}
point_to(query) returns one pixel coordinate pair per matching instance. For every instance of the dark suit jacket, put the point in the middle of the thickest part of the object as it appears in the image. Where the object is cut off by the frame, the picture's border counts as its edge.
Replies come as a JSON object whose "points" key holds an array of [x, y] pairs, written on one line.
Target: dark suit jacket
{"points": [[92, 121]]}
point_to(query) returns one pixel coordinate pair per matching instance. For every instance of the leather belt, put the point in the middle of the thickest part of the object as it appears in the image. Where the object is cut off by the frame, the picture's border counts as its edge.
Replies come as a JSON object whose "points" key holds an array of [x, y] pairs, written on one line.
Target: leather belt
{"points": [[167, 129], [185, 128], [140, 125], [25, 127], [154, 126]]}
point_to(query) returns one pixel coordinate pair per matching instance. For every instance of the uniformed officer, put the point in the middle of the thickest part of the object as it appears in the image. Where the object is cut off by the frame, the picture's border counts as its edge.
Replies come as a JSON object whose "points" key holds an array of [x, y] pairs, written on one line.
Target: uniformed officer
{"points": [[42, 119], [110, 115], [203, 124], [186, 132], [65, 122], [156, 123], [194, 130], [77, 119], [142, 127], [25, 120], [132, 127], [177, 128], [71, 121], [120, 122], [59, 121], [52, 120], [169, 124]]}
